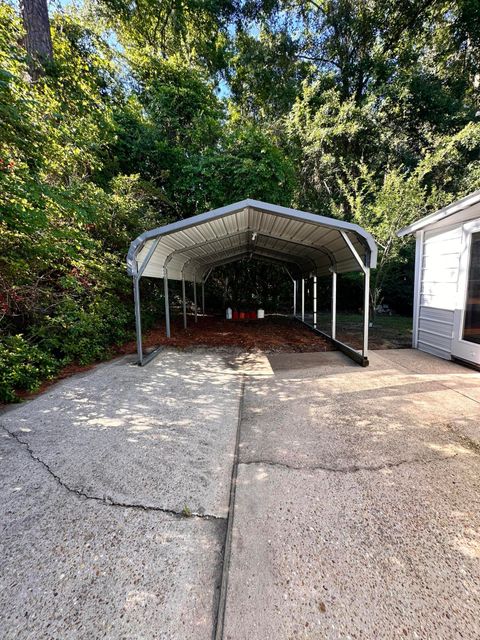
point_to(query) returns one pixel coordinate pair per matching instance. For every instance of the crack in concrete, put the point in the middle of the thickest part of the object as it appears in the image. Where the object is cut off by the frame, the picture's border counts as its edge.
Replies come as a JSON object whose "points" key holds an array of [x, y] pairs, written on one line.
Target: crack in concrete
{"points": [[227, 546], [351, 469], [106, 499]]}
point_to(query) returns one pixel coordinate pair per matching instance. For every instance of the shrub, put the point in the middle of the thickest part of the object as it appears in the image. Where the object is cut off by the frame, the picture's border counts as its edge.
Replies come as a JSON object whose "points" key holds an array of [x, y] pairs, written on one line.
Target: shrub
{"points": [[23, 366], [84, 331]]}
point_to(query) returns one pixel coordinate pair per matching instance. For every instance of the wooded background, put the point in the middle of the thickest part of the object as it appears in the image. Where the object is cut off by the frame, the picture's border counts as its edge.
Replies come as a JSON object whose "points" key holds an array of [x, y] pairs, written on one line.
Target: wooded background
{"points": [[118, 116]]}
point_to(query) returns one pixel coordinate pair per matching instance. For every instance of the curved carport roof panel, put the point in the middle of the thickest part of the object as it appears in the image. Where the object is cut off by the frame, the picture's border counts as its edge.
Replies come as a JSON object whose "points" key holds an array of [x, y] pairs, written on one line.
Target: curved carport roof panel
{"points": [[313, 244]]}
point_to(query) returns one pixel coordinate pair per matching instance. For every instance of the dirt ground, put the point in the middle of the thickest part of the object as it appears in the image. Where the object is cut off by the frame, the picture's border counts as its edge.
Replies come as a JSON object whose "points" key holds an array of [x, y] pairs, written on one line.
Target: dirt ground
{"points": [[276, 333]]}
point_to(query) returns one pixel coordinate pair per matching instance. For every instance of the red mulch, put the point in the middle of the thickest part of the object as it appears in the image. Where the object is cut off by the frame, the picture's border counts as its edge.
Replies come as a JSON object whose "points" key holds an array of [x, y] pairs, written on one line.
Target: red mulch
{"points": [[273, 334]]}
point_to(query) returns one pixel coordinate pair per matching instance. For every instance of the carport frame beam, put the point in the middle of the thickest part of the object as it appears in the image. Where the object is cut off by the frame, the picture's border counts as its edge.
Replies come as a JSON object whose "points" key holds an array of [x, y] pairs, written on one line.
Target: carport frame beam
{"points": [[357, 356], [366, 292], [334, 304], [138, 318], [136, 297]]}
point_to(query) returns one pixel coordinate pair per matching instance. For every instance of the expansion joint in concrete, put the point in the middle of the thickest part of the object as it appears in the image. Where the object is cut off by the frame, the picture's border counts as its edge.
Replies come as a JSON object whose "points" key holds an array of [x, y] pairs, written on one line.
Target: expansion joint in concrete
{"points": [[349, 469], [227, 547], [106, 499]]}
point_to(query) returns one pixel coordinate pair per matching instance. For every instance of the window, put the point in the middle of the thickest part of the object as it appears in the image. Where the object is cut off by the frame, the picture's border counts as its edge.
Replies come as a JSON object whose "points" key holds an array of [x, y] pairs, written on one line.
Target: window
{"points": [[471, 326]]}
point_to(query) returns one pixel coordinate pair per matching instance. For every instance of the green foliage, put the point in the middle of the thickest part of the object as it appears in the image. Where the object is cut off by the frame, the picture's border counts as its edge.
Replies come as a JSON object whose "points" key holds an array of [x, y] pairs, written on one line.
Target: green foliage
{"points": [[249, 164], [383, 209], [265, 74], [83, 331], [154, 28], [64, 235], [22, 367]]}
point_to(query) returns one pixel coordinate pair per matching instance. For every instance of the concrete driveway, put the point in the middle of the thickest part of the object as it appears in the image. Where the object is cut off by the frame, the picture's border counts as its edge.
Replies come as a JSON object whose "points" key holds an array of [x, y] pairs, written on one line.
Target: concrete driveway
{"points": [[354, 511]]}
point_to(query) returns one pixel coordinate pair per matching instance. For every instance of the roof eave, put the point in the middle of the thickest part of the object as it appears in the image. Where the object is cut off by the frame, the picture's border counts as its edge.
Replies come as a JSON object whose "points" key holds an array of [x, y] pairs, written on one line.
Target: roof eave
{"points": [[455, 207]]}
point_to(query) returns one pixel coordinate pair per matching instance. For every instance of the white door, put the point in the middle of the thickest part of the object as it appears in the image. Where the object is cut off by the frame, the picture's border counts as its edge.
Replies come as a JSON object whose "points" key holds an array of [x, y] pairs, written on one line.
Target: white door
{"points": [[466, 338]]}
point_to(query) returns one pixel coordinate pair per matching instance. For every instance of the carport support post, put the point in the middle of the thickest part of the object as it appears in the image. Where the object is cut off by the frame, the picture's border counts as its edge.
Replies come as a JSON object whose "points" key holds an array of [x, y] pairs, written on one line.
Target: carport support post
{"points": [[167, 304], [366, 292], [315, 301], [334, 304], [203, 298], [195, 294], [366, 310], [294, 298], [184, 303], [303, 300], [138, 320]]}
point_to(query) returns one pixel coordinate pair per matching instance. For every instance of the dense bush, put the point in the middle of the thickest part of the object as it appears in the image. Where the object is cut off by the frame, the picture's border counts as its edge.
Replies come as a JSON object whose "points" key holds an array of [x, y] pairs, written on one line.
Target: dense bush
{"points": [[83, 332], [23, 366]]}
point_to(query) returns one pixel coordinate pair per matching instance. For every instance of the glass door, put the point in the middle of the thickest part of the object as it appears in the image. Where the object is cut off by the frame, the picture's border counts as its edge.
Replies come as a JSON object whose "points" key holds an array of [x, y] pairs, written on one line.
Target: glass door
{"points": [[471, 323], [466, 341]]}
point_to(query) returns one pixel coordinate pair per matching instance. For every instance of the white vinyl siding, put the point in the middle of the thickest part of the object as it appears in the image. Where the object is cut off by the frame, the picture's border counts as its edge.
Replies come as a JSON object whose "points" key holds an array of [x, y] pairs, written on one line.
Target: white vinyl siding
{"points": [[437, 289]]}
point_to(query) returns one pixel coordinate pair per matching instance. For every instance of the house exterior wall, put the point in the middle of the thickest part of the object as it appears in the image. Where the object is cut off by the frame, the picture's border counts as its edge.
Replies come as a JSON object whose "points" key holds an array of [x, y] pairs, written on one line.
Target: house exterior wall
{"points": [[437, 263]]}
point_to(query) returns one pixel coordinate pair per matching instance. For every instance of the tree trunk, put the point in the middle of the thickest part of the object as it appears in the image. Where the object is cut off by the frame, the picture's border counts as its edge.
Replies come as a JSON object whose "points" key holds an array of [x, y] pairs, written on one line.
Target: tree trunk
{"points": [[38, 41]]}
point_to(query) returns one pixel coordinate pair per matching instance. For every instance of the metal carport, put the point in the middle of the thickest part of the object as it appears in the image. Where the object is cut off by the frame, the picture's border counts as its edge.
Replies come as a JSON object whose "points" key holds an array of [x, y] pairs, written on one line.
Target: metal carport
{"points": [[308, 245]]}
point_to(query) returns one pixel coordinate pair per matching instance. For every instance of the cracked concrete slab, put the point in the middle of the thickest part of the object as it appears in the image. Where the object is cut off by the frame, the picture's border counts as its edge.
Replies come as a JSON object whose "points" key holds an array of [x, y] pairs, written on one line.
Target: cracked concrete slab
{"points": [[161, 436], [77, 569], [342, 418], [371, 554], [95, 477], [357, 502], [356, 511]]}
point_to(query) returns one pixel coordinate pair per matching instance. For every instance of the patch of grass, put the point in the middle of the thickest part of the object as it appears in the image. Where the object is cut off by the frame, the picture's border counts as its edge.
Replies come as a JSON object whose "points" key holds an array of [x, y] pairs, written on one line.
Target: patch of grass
{"points": [[386, 332]]}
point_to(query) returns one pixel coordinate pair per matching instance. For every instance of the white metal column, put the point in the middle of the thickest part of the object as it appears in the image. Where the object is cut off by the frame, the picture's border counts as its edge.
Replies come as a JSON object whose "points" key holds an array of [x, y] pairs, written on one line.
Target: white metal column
{"points": [[334, 304], [303, 300], [136, 297], [167, 304], [366, 309], [184, 303], [315, 301], [138, 320], [294, 298], [195, 294], [203, 298]]}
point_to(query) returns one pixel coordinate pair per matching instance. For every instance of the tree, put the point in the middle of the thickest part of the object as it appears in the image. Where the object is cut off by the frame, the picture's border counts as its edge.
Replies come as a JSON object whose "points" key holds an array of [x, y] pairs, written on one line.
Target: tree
{"points": [[383, 209], [196, 30], [265, 74], [38, 41]]}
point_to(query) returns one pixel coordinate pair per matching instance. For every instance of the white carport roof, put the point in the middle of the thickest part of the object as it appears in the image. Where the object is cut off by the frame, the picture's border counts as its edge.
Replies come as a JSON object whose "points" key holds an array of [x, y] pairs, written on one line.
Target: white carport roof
{"points": [[308, 243]]}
